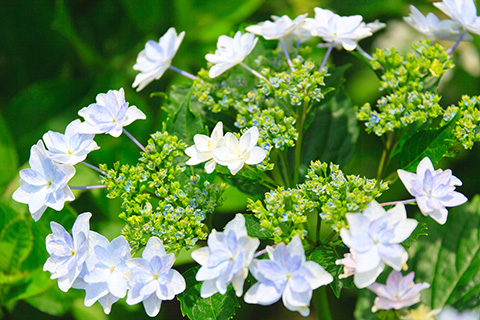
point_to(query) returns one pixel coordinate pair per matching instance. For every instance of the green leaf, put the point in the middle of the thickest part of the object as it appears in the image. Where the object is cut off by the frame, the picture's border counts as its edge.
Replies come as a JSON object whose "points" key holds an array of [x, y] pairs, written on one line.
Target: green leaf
{"points": [[34, 284], [363, 308], [326, 257], [333, 133], [217, 307], [254, 229], [16, 241], [420, 230], [55, 302], [434, 143], [449, 259], [8, 155]]}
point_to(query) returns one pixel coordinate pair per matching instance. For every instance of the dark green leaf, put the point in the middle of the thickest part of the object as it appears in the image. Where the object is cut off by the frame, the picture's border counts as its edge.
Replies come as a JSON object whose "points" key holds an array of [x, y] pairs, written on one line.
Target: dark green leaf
{"points": [[333, 133], [420, 230], [8, 155], [16, 241], [217, 307], [449, 259], [33, 284], [254, 229]]}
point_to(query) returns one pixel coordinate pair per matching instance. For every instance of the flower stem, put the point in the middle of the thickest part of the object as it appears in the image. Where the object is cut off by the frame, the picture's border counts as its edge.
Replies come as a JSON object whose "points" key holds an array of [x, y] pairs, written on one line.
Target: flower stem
{"points": [[255, 73], [384, 159], [135, 141], [460, 38], [289, 61], [183, 73], [93, 167], [320, 301], [259, 253], [364, 53], [88, 187], [326, 57], [397, 202], [298, 144]]}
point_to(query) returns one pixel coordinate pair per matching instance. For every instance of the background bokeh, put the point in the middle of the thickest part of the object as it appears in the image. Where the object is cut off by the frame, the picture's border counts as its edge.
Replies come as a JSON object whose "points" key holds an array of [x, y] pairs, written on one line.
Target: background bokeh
{"points": [[56, 56]]}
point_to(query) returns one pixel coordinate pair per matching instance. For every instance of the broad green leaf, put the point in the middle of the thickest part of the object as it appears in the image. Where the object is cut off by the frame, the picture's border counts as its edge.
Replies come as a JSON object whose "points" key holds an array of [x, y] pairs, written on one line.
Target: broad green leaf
{"points": [[33, 284], [81, 312], [254, 229], [8, 155], [449, 259], [16, 242], [217, 307], [55, 302], [434, 143], [420, 230], [326, 257], [333, 133]]}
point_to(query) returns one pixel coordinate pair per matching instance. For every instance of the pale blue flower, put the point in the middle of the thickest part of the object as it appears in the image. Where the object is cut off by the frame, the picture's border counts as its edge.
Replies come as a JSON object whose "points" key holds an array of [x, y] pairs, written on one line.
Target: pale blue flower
{"points": [[44, 184], [449, 313], [153, 279], [106, 275], [156, 58], [433, 189], [286, 275], [67, 253], [462, 11], [109, 115], [398, 292], [71, 147], [279, 28], [374, 238], [226, 259]]}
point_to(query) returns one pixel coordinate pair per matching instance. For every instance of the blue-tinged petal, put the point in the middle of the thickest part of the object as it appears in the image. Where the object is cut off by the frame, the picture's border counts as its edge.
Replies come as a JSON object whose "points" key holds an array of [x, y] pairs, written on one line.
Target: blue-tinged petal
{"points": [[269, 270], [237, 225], [208, 289], [117, 285], [107, 301], [149, 288], [299, 284], [201, 255], [454, 199], [364, 279], [134, 296], [262, 293], [154, 248], [295, 301], [295, 248], [403, 230], [316, 275], [366, 261], [152, 305], [177, 281], [393, 255]]}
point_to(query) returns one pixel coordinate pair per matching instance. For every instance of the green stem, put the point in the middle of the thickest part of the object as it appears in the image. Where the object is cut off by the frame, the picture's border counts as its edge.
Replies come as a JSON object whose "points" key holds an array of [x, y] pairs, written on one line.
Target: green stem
{"points": [[286, 174], [298, 144], [330, 237], [319, 228], [385, 155], [276, 173], [321, 304]]}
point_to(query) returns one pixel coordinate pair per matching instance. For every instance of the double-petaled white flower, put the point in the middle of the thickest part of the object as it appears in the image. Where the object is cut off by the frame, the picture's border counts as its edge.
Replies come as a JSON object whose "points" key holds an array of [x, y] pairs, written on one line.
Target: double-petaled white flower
{"points": [[71, 147], [398, 292], [44, 184], [434, 190], [279, 28], [287, 275], [235, 153], [230, 52], [432, 27], [156, 58], [109, 115], [337, 30], [67, 253], [153, 279], [203, 148], [374, 237], [462, 11], [226, 259]]}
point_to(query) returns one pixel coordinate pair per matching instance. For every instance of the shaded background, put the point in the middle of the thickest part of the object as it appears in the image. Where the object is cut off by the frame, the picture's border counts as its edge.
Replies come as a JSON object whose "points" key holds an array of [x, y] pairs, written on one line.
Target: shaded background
{"points": [[56, 56]]}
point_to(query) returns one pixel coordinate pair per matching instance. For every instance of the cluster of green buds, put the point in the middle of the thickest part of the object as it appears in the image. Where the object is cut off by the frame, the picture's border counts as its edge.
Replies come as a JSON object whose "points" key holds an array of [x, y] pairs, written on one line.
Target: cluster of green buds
{"points": [[466, 128], [160, 198]]}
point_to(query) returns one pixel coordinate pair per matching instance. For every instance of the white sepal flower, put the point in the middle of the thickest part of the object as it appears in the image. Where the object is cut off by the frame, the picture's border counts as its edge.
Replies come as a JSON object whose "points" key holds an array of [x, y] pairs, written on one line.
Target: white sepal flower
{"points": [[279, 28], [203, 148], [449, 313], [71, 147], [463, 12], [226, 259], [67, 253], [287, 275], [374, 236], [434, 28], [398, 292], [230, 52], [156, 58], [153, 279], [235, 153], [44, 184], [337, 30], [107, 274], [433, 190], [109, 115]]}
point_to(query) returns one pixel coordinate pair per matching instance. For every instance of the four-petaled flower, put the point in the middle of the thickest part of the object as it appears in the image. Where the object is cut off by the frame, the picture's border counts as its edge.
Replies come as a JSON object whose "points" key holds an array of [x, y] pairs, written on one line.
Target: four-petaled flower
{"points": [[67, 253], [230, 52], [287, 275], [235, 153], [432, 27], [337, 30], [399, 292], [44, 184], [374, 236], [279, 28], [71, 147], [109, 115], [463, 12], [156, 58], [433, 190], [203, 148], [226, 259], [153, 279]]}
